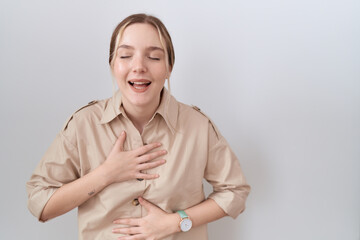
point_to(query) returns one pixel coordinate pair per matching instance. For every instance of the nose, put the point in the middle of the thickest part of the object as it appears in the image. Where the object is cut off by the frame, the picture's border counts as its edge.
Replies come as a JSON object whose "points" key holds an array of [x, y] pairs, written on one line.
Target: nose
{"points": [[139, 65]]}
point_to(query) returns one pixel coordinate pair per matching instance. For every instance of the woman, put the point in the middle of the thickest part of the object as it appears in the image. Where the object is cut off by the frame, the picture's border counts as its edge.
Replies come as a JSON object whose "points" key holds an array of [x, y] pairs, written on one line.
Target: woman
{"points": [[109, 158]]}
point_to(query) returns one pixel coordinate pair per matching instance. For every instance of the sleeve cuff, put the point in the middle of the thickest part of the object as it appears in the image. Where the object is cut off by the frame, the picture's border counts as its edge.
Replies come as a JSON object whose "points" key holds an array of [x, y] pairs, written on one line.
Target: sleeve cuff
{"points": [[233, 203], [38, 200]]}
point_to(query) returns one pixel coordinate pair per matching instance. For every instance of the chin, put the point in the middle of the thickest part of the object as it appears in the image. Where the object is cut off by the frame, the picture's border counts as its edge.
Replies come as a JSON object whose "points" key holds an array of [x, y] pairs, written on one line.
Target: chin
{"points": [[141, 101]]}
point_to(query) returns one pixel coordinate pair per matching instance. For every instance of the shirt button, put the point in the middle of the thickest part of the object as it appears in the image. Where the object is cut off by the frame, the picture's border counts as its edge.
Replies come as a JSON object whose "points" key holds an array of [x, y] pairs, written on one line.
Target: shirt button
{"points": [[135, 202]]}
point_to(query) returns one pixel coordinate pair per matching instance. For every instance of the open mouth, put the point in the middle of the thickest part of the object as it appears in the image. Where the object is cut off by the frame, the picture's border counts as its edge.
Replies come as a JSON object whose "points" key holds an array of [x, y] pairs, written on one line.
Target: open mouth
{"points": [[140, 85]]}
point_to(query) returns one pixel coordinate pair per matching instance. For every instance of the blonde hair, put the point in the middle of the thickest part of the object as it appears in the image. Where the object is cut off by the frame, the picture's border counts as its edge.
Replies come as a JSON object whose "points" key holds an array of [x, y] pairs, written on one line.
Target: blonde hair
{"points": [[164, 36]]}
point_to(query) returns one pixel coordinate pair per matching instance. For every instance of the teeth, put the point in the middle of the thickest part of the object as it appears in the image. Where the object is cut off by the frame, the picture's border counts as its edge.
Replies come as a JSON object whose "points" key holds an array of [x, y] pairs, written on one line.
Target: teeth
{"points": [[139, 83], [138, 87]]}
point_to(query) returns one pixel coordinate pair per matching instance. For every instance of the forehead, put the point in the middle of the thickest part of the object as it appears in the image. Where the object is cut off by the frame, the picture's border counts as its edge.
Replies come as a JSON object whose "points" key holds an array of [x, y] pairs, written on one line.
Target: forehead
{"points": [[140, 35]]}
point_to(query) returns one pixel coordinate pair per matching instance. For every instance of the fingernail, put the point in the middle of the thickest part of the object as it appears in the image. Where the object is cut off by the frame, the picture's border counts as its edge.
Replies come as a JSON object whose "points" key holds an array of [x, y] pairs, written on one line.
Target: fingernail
{"points": [[123, 132]]}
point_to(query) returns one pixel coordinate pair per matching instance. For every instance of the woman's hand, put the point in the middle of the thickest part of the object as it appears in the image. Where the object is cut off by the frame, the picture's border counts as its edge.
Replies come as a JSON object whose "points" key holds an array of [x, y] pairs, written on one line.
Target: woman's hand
{"points": [[157, 224], [123, 165]]}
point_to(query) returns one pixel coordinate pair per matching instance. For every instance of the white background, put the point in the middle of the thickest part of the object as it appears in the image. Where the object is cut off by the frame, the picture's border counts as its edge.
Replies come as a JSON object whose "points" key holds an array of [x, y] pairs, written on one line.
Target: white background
{"points": [[281, 79]]}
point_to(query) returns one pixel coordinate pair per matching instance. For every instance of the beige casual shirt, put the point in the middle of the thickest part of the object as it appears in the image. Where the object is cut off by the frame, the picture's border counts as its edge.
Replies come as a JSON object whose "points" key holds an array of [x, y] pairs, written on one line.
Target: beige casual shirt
{"points": [[196, 150]]}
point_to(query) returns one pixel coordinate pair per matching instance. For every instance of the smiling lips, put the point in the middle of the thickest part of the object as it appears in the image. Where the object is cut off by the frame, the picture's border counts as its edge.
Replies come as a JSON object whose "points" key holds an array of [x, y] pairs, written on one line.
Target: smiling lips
{"points": [[139, 85]]}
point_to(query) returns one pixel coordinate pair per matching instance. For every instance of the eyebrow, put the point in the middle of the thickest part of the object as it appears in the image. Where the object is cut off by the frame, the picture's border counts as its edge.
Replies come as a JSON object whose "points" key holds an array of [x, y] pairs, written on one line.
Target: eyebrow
{"points": [[155, 48], [151, 48]]}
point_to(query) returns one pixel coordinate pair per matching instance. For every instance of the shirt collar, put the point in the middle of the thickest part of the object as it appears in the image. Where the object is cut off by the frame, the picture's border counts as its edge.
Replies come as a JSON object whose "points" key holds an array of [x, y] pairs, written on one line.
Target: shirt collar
{"points": [[112, 108], [168, 109]]}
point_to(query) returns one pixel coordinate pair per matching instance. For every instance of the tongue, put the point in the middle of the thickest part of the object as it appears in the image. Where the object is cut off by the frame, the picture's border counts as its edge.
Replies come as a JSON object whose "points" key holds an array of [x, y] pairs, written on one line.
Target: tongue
{"points": [[140, 86]]}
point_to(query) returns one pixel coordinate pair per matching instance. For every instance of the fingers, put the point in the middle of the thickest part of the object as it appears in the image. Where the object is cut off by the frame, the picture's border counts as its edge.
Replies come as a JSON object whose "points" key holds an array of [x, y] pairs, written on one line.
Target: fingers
{"points": [[144, 149], [119, 144], [128, 221], [132, 228], [127, 230], [146, 204], [133, 237], [150, 156], [146, 166], [134, 224], [147, 176]]}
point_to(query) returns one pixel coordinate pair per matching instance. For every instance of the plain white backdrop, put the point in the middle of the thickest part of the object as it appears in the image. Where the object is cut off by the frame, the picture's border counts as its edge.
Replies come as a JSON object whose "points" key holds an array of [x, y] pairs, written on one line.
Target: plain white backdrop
{"points": [[281, 79]]}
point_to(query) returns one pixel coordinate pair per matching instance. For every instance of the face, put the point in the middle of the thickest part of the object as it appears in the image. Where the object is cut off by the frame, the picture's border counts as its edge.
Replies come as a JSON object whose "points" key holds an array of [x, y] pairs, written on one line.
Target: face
{"points": [[140, 67]]}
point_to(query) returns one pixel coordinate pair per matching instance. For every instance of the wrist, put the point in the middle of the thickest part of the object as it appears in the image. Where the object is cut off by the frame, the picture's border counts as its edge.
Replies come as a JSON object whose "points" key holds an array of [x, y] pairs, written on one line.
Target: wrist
{"points": [[174, 221], [104, 175], [185, 221]]}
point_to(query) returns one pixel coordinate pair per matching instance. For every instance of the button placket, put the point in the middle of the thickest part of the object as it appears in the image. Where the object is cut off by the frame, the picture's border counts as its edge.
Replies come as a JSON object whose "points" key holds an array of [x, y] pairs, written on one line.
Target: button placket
{"points": [[141, 179]]}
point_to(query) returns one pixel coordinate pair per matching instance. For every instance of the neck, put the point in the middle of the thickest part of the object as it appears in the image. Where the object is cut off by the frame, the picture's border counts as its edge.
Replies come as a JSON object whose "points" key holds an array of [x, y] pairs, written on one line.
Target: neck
{"points": [[140, 115]]}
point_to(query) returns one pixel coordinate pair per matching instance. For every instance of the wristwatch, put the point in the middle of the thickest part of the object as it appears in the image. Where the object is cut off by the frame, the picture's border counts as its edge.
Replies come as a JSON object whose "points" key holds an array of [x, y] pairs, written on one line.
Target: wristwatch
{"points": [[185, 223]]}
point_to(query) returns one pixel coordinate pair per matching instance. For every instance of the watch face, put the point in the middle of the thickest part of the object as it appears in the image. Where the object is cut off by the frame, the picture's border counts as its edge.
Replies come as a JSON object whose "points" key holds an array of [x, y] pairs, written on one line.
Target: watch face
{"points": [[185, 225]]}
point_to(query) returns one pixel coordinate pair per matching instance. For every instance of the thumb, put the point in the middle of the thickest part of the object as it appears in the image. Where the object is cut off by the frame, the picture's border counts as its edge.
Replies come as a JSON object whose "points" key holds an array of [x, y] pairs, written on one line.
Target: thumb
{"points": [[146, 204], [119, 144]]}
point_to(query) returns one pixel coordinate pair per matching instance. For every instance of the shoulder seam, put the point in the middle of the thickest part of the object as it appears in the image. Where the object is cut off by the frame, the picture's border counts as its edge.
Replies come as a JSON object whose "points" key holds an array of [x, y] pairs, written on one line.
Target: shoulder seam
{"points": [[210, 121], [72, 115]]}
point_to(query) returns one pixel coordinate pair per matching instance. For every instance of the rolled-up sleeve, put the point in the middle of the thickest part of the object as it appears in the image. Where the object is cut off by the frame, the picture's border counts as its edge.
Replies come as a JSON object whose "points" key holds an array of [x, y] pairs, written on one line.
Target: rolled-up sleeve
{"points": [[59, 165], [224, 173]]}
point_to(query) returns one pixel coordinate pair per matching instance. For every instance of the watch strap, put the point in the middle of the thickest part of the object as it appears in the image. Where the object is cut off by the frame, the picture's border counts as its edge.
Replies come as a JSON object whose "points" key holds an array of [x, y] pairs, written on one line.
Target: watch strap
{"points": [[182, 214]]}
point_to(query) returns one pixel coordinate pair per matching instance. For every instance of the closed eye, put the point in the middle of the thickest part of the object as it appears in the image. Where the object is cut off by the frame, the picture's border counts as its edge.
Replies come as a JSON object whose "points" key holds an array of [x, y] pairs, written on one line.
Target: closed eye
{"points": [[122, 57], [154, 58]]}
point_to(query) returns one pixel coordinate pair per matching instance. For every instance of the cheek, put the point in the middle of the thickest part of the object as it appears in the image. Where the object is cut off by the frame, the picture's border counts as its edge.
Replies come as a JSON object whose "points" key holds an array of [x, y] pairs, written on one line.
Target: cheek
{"points": [[161, 72], [119, 77], [119, 71]]}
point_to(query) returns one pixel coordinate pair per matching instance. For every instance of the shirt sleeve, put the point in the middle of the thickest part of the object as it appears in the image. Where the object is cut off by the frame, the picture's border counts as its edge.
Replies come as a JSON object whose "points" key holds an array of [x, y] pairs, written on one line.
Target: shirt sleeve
{"points": [[59, 165], [224, 173]]}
